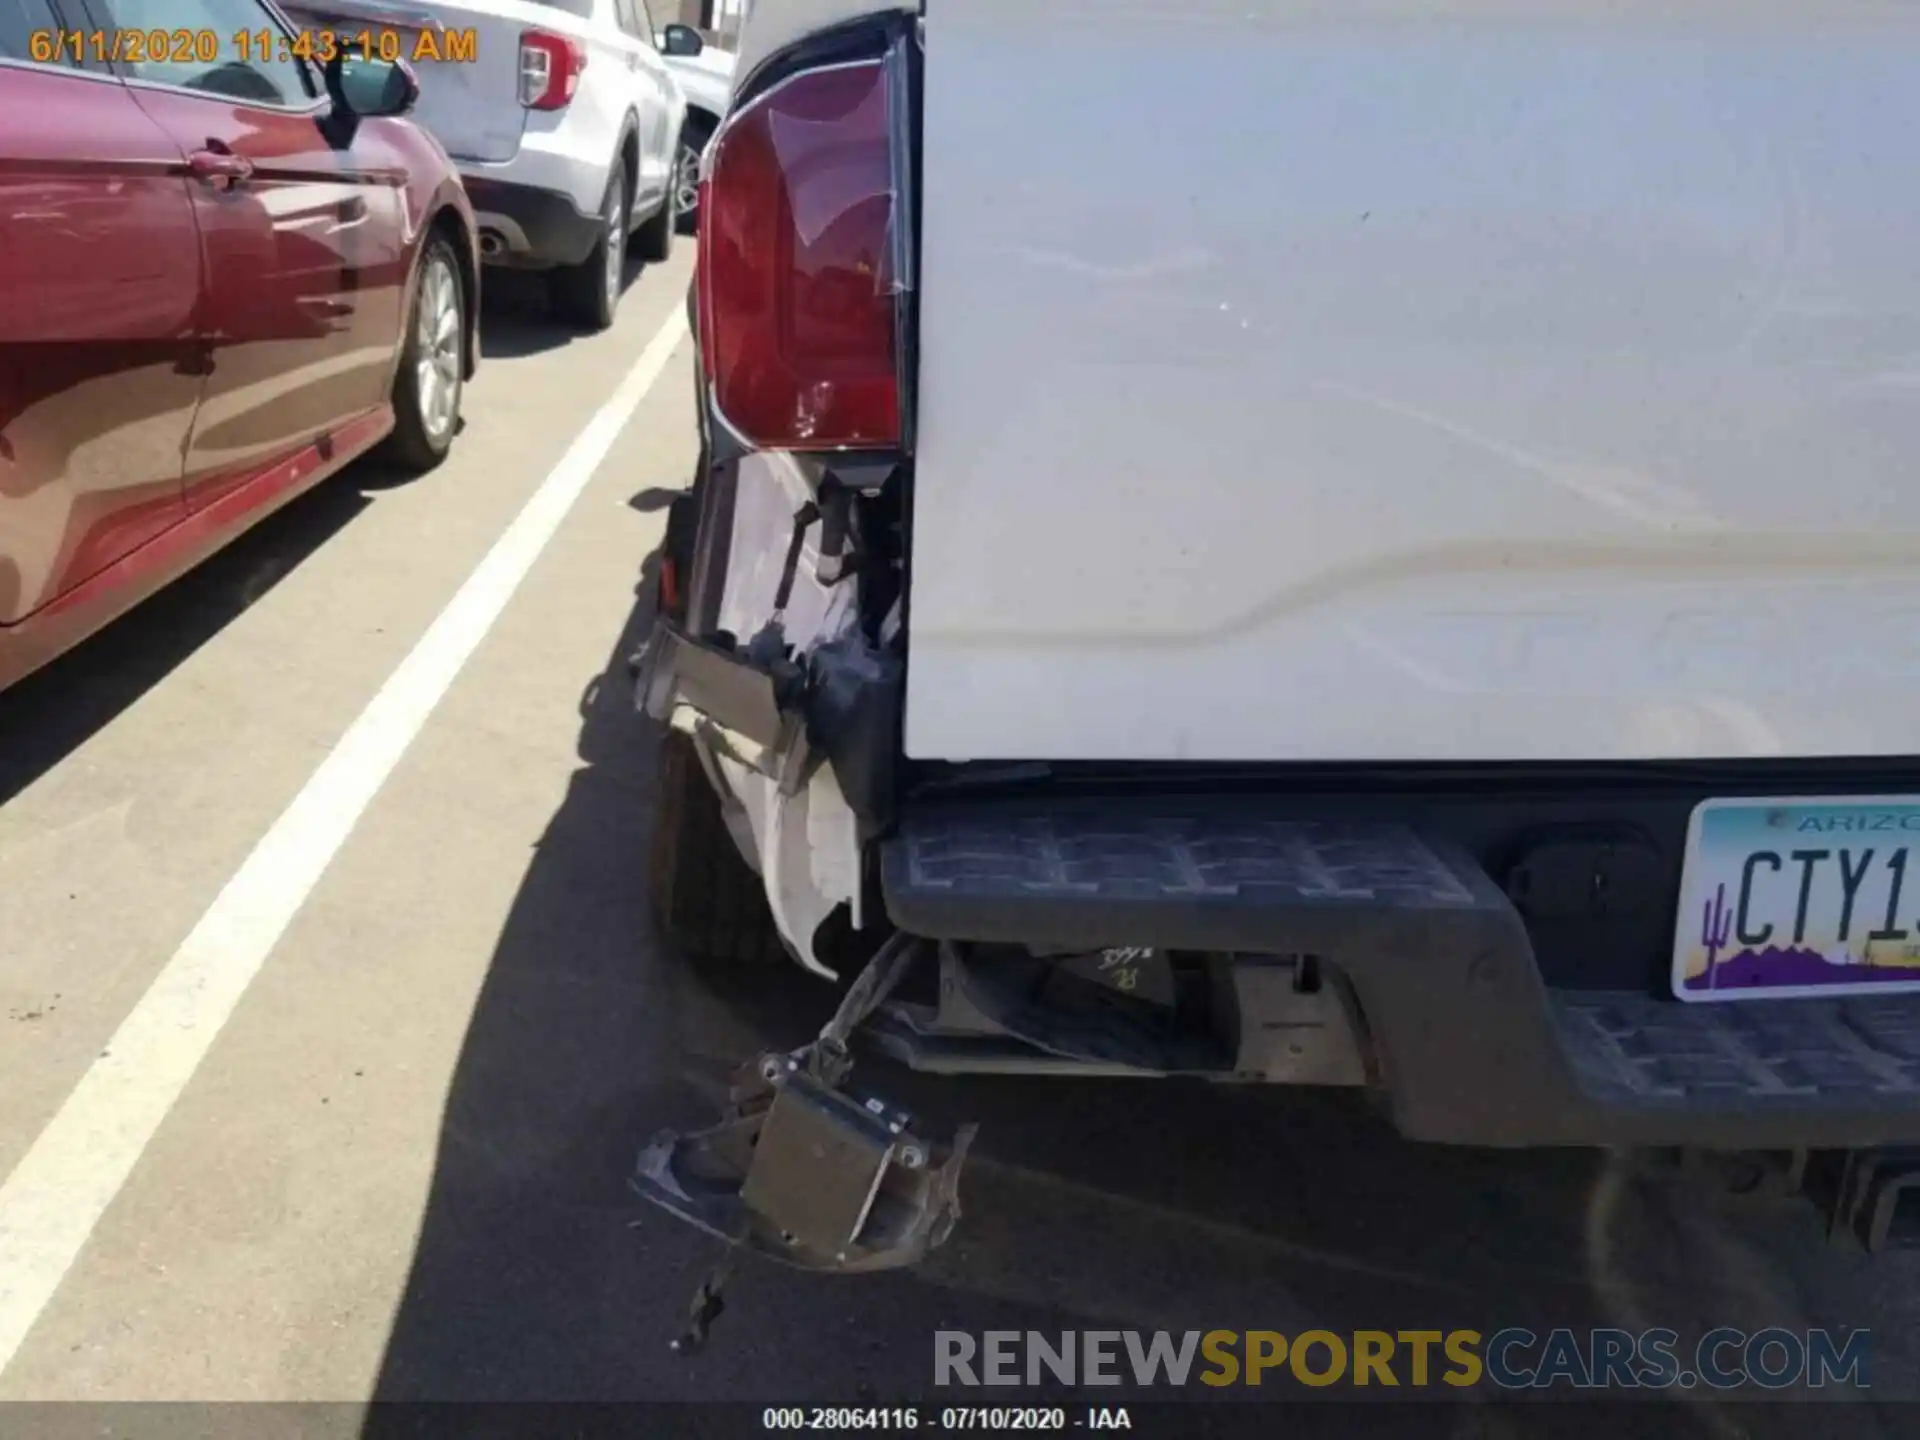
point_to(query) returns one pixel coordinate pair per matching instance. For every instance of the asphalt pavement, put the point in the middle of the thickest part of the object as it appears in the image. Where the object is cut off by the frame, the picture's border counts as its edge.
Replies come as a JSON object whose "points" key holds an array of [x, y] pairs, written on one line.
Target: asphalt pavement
{"points": [[398, 1169]]}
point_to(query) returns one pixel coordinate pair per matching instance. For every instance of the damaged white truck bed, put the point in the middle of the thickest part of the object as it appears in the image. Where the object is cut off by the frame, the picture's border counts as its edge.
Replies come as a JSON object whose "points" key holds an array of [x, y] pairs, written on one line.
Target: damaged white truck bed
{"points": [[1314, 544]]}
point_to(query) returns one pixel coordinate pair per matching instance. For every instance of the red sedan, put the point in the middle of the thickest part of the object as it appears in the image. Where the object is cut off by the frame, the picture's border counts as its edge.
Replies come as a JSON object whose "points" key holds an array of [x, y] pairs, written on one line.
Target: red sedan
{"points": [[225, 272]]}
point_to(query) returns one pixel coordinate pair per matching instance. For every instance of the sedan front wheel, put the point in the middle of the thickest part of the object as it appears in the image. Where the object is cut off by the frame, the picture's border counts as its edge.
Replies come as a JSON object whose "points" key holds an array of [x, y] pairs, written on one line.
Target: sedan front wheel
{"points": [[427, 388]]}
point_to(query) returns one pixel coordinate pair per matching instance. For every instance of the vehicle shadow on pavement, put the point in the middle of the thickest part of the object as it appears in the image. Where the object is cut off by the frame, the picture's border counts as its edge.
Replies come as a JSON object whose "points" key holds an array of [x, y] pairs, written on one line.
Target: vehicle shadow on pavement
{"points": [[54, 711], [519, 319], [50, 714], [1089, 1205]]}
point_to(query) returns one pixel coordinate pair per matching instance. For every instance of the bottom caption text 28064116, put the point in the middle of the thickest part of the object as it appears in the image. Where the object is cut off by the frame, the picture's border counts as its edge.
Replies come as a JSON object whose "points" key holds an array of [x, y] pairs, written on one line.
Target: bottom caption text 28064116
{"points": [[947, 1417]]}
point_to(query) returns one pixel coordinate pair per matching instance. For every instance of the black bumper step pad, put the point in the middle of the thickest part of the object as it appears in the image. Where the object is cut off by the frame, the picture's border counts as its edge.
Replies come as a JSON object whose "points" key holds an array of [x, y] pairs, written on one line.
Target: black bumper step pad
{"points": [[1473, 1046]]}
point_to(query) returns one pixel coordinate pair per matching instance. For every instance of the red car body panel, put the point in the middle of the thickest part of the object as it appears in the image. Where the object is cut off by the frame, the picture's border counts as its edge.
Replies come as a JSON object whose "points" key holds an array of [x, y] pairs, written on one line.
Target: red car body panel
{"points": [[179, 357], [99, 281]]}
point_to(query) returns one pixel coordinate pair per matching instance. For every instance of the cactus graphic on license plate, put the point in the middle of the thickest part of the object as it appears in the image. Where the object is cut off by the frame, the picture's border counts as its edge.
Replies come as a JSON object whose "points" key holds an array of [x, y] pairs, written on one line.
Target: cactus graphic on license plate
{"points": [[1799, 897]]}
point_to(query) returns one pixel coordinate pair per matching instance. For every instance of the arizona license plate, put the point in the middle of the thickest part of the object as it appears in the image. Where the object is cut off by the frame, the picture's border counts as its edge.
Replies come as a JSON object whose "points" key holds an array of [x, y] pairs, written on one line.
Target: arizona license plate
{"points": [[1799, 897]]}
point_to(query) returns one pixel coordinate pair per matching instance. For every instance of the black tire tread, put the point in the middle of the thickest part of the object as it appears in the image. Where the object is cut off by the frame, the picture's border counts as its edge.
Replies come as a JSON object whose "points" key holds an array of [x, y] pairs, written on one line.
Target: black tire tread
{"points": [[707, 901], [578, 291], [653, 241]]}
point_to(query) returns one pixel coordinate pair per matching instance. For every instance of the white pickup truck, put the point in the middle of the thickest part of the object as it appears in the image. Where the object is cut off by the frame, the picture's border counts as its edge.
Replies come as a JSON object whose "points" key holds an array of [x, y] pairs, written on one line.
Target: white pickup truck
{"points": [[1387, 558]]}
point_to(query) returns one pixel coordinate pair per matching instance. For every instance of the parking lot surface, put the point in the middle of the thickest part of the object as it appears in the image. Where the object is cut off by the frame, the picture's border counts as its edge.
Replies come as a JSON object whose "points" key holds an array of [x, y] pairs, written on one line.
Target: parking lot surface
{"points": [[398, 1169]]}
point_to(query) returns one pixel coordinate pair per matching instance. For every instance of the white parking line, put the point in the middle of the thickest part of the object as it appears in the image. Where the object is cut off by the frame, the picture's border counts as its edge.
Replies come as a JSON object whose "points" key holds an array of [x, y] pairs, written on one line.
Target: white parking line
{"points": [[56, 1195]]}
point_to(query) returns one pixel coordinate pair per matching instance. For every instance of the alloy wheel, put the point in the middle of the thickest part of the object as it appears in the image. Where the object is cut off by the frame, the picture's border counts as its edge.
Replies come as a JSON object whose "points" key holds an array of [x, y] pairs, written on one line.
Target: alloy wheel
{"points": [[616, 238], [686, 181], [437, 350]]}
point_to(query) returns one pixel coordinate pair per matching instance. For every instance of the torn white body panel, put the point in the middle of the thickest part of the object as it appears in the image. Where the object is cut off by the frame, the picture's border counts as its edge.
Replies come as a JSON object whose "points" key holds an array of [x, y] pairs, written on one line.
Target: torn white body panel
{"points": [[769, 491], [805, 846]]}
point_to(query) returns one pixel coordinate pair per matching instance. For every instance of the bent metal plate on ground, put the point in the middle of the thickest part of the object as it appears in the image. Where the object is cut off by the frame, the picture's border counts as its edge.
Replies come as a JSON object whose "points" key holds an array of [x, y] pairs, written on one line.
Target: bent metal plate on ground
{"points": [[1799, 897]]}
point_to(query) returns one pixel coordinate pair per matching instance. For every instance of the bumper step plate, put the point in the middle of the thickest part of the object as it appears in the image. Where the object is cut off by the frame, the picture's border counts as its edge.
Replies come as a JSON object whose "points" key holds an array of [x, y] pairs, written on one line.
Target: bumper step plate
{"points": [[1474, 1047]]}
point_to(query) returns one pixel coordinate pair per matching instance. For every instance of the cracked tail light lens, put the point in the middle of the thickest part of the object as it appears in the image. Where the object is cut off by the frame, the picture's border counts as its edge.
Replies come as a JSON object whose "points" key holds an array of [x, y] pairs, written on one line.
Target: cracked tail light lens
{"points": [[796, 283]]}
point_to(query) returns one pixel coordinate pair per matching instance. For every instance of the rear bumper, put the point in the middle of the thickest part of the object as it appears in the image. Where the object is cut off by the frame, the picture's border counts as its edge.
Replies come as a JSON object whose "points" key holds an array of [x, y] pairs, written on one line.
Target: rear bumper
{"points": [[1473, 1030], [1467, 1041], [528, 225]]}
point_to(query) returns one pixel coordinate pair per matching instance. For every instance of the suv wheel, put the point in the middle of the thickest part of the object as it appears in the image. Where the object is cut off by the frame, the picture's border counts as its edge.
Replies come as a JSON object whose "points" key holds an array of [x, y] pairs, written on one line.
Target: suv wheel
{"points": [[653, 241], [686, 173], [588, 294]]}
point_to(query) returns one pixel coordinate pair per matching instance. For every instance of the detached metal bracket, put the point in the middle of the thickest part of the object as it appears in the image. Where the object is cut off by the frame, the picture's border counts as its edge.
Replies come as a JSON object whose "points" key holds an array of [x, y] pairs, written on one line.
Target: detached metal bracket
{"points": [[725, 685], [806, 1173], [810, 1176]]}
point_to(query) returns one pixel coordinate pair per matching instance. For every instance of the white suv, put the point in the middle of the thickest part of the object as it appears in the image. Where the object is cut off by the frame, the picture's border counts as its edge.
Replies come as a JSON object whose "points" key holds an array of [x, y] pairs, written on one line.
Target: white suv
{"points": [[562, 117]]}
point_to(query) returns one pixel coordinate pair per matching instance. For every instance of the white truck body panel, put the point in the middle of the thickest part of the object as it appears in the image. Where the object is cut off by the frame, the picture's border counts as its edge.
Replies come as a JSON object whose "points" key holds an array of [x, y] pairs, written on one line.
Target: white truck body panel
{"points": [[1415, 380]]}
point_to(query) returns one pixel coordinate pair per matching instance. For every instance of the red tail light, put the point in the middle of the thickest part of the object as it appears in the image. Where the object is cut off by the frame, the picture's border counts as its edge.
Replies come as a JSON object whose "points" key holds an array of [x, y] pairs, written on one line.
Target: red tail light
{"points": [[550, 67], [796, 277]]}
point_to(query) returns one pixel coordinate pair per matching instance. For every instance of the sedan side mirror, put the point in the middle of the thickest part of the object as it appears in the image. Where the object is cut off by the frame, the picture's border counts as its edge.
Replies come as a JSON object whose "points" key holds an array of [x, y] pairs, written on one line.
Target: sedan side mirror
{"points": [[366, 87], [682, 40]]}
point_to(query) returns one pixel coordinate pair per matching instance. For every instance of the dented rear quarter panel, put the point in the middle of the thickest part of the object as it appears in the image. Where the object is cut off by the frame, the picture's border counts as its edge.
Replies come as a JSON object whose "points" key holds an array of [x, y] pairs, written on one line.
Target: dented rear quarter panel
{"points": [[1450, 380]]}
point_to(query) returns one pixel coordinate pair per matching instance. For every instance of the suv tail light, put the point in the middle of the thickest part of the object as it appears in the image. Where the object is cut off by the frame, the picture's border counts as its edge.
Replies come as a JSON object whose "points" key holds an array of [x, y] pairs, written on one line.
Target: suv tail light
{"points": [[796, 280], [550, 67]]}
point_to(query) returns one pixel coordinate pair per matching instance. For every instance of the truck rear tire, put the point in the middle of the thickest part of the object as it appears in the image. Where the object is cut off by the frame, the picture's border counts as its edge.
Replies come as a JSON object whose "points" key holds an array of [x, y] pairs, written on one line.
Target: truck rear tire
{"points": [[707, 901]]}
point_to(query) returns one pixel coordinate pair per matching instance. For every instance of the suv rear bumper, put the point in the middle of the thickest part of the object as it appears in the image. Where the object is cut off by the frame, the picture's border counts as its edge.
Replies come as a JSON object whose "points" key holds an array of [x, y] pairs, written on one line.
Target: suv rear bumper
{"points": [[1462, 1034], [527, 225]]}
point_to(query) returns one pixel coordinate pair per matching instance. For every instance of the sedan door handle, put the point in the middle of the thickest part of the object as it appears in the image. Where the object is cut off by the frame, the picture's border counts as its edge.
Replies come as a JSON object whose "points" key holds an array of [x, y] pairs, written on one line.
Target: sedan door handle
{"points": [[220, 169]]}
